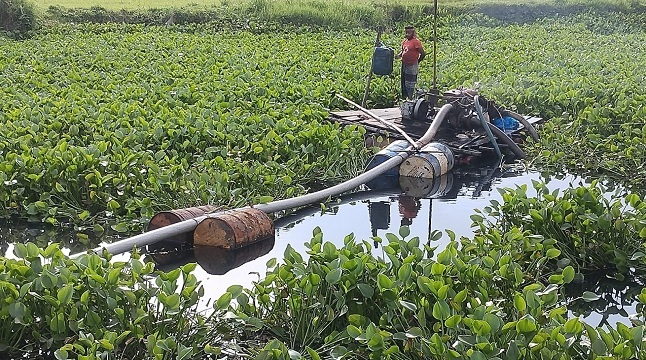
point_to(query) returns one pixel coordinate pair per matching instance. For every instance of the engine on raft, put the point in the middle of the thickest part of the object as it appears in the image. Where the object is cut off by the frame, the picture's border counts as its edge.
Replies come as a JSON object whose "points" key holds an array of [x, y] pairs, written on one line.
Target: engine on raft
{"points": [[473, 119]]}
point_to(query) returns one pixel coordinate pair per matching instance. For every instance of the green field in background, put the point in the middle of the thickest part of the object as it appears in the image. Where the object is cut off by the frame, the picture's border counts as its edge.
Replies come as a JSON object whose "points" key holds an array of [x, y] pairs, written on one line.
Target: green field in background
{"points": [[147, 4], [123, 4]]}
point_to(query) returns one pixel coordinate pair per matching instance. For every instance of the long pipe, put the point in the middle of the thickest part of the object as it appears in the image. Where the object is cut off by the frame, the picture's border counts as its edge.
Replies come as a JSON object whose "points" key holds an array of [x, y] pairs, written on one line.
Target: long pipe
{"points": [[190, 224], [507, 140], [361, 179], [435, 126], [496, 132], [530, 129]]}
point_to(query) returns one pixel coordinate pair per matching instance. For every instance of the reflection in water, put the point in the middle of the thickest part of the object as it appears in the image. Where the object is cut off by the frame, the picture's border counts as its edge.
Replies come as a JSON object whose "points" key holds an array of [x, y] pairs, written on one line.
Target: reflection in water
{"points": [[408, 195], [379, 215], [218, 261], [169, 255], [13, 232], [422, 204], [617, 297]]}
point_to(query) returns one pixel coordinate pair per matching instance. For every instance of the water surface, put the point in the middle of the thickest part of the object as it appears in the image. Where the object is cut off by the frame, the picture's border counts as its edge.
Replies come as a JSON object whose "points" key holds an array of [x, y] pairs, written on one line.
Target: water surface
{"points": [[424, 206]]}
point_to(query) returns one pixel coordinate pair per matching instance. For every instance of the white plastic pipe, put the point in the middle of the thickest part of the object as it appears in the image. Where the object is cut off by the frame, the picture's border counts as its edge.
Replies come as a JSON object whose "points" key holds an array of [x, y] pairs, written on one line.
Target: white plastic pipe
{"points": [[181, 227]]}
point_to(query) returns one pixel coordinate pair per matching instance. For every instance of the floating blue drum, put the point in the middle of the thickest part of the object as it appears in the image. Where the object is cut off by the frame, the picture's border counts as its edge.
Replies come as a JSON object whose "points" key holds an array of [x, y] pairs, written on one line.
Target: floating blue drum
{"points": [[390, 178], [433, 160]]}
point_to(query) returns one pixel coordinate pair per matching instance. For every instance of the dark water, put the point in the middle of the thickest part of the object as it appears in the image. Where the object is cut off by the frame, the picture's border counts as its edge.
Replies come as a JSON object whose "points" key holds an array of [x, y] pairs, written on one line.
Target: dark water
{"points": [[445, 203]]}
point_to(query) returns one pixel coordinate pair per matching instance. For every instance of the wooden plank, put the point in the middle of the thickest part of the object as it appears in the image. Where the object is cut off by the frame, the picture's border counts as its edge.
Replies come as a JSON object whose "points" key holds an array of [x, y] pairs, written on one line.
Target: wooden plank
{"points": [[345, 113], [388, 113]]}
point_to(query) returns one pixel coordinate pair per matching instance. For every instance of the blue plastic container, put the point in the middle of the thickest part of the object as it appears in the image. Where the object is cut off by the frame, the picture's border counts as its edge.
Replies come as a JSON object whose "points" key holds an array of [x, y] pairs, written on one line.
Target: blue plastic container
{"points": [[506, 123], [382, 60]]}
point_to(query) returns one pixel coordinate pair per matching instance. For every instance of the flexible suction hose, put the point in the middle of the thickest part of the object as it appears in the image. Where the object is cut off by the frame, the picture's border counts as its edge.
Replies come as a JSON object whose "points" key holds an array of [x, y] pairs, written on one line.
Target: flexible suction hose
{"points": [[507, 140], [361, 179], [156, 235], [530, 129], [485, 125]]}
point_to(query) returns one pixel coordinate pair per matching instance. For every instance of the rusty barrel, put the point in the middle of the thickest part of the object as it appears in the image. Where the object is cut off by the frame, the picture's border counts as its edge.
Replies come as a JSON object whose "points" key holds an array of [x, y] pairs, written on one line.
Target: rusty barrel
{"points": [[219, 261], [234, 229], [166, 218]]}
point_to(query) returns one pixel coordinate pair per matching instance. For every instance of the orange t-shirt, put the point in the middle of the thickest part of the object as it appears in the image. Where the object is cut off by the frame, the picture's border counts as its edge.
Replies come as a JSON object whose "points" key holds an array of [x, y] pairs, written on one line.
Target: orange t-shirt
{"points": [[411, 50]]}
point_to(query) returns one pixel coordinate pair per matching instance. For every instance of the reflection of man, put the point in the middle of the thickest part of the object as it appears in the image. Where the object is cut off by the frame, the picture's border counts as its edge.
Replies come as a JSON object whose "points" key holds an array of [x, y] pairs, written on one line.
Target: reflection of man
{"points": [[412, 53], [408, 208]]}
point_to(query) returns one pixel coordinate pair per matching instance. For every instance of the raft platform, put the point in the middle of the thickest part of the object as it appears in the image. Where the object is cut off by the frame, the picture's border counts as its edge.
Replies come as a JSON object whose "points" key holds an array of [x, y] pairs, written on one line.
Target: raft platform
{"points": [[465, 142]]}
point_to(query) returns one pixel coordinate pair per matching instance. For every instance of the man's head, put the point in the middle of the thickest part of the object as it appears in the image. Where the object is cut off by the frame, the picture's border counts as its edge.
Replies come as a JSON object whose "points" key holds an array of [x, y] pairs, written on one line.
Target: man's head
{"points": [[410, 32]]}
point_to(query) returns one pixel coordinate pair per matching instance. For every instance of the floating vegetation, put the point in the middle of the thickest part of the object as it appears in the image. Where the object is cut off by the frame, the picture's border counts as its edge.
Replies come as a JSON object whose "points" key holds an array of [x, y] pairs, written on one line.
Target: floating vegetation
{"points": [[104, 124]]}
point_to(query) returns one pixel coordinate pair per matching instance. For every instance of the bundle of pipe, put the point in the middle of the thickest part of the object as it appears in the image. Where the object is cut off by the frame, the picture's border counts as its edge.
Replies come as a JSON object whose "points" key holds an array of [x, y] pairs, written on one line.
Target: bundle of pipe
{"points": [[225, 229]]}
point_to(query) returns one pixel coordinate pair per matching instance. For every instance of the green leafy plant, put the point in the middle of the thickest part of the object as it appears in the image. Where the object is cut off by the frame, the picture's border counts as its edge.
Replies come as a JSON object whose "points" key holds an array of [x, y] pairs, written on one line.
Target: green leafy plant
{"points": [[473, 301], [590, 228], [91, 307]]}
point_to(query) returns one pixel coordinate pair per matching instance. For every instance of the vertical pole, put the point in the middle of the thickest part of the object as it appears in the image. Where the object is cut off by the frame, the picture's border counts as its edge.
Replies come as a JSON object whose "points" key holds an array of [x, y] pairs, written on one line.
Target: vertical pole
{"points": [[435, 46], [434, 94], [430, 217], [367, 91]]}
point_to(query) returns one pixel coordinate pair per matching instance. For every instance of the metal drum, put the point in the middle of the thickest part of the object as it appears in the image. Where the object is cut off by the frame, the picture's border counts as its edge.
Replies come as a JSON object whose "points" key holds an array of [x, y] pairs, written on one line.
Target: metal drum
{"points": [[389, 179], [166, 218], [433, 160], [234, 229]]}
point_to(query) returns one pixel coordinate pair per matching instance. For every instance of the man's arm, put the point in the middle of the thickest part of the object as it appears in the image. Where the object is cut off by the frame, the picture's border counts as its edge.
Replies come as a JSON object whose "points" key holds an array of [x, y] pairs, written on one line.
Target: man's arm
{"points": [[422, 54]]}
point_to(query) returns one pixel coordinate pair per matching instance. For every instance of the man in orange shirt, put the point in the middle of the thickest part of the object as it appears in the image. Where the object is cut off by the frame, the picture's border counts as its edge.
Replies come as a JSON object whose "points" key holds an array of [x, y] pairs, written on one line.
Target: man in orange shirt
{"points": [[412, 53]]}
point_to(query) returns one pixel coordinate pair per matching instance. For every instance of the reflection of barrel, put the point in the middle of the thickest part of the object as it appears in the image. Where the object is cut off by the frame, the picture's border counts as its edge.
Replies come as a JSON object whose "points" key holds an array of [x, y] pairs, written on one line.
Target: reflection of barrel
{"points": [[389, 178], [219, 261], [433, 160], [165, 218], [168, 255], [233, 229], [426, 187]]}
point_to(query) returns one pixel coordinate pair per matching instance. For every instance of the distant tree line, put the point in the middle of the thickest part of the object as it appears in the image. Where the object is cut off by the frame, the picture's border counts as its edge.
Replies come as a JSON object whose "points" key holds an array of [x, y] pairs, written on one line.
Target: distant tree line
{"points": [[17, 17]]}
